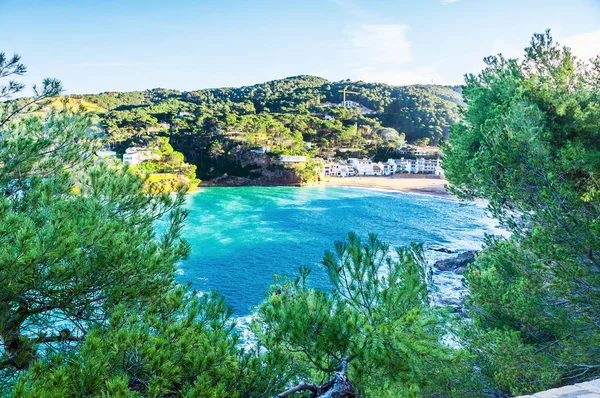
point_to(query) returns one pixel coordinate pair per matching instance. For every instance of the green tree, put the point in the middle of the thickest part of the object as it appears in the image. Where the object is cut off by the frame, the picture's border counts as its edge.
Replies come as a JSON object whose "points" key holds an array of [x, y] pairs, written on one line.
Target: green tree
{"points": [[177, 346], [75, 237], [216, 149], [88, 299], [528, 143], [377, 319], [10, 110]]}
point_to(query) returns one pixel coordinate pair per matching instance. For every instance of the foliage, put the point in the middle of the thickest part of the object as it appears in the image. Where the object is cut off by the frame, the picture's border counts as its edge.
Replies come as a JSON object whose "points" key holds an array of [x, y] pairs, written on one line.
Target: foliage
{"points": [[178, 346], [84, 276], [213, 127], [89, 304], [377, 318], [169, 170], [11, 110], [76, 239], [528, 143]]}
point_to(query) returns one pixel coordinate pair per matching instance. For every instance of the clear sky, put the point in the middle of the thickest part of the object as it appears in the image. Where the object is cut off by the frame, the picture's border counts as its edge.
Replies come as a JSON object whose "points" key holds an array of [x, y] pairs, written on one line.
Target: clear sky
{"points": [[124, 45]]}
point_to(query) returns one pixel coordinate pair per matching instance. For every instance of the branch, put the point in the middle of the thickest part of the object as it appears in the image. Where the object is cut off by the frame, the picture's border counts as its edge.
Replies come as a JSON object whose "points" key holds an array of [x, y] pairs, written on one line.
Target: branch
{"points": [[338, 386], [64, 335], [19, 109], [51, 89], [298, 388], [53, 339]]}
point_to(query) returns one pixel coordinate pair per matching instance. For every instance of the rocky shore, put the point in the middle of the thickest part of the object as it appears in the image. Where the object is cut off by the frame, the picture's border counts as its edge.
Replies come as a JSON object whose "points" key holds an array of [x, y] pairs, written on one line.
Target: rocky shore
{"points": [[458, 264], [451, 269]]}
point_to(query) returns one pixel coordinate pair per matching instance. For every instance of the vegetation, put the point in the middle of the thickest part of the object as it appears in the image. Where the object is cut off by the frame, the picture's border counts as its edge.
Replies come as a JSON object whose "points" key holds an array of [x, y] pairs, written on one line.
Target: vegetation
{"points": [[89, 304], [216, 129], [377, 319], [529, 144], [168, 169]]}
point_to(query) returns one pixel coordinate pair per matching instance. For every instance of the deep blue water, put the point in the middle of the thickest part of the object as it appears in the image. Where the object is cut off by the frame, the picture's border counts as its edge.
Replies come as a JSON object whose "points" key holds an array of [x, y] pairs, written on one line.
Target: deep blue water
{"points": [[241, 237]]}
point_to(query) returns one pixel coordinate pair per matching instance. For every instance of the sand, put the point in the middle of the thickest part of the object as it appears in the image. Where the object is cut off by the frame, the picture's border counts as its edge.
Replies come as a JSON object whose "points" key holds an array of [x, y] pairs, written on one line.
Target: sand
{"points": [[432, 186]]}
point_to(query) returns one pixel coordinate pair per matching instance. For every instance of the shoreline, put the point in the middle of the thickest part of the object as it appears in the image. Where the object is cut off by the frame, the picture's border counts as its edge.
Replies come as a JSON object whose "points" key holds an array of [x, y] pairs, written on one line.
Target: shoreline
{"points": [[420, 185]]}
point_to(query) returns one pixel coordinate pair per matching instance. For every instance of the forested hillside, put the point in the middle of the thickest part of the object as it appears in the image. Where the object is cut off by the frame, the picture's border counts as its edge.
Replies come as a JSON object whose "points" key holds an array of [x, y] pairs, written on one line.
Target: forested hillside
{"points": [[216, 128]]}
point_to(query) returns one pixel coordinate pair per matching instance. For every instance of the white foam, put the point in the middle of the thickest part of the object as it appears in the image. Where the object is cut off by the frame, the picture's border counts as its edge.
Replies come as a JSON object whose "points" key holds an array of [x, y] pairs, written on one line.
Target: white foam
{"points": [[247, 339]]}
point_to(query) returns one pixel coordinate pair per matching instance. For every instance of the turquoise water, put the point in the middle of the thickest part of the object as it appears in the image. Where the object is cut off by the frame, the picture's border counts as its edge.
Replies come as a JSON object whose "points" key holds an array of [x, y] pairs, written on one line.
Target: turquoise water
{"points": [[241, 237]]}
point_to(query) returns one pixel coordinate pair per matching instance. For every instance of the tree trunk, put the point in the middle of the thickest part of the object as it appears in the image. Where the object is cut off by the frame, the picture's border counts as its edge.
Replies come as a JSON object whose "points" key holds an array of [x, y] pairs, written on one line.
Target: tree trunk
{"points": [[338, 387]]}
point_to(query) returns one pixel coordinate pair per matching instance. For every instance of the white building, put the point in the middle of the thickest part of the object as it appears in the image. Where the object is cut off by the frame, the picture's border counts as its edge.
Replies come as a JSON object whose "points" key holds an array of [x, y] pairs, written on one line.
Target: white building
{"points": [[389, 168], [417, 166], [350, 104], [366, 167], [338, 170], [291, 159], [153, 129], [136, 155], [420, 151], [102, 154], [328, 117], [106, 156], [183, 114], [132, 158]]}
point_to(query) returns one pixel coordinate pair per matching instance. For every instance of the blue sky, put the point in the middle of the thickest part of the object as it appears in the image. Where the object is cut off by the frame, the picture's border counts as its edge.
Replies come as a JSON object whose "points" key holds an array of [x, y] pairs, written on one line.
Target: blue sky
{"points": [[95, 46]]}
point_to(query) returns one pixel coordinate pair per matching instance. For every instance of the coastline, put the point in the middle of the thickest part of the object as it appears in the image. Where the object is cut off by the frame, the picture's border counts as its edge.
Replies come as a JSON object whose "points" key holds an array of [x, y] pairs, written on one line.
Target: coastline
{"points": [[416, 184], [431, 186]]}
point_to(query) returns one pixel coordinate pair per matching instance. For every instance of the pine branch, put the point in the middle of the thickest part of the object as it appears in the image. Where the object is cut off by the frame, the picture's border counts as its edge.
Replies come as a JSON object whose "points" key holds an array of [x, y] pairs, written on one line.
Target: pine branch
{"points": [[339, 386], [298, 388]]}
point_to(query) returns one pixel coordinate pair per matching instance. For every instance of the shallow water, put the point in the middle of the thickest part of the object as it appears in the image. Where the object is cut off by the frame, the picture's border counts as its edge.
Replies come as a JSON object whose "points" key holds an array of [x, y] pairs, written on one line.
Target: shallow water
{"points": [[241, 237]]}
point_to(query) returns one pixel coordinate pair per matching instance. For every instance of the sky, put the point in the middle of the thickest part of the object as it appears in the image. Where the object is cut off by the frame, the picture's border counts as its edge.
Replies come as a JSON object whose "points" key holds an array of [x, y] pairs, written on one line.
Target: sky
{"points": [[125, 45]]}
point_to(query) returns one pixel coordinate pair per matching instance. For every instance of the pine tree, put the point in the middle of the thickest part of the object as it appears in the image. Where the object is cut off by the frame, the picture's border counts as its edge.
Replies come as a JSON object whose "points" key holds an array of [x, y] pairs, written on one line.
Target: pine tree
{"points": [[76, 238], [377, 321], [529, 144]]}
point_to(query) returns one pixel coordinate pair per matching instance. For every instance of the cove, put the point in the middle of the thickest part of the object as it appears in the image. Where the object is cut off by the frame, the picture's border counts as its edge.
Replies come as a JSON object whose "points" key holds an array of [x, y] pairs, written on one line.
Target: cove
{"points": [[241, 236]]}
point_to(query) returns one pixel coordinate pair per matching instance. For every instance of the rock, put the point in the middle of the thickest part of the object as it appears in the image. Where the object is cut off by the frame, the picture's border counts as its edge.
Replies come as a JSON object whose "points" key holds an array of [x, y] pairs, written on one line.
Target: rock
{"points": [[441, 250], [457, 264], [451, 301]]}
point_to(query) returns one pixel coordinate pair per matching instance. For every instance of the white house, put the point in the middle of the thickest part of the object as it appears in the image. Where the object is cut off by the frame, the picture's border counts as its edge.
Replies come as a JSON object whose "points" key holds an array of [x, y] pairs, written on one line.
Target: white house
{"points": [[338, 170], [420, 151], [390, 167], [366, 167], [153, 129], [350, 104], [136, 155], [328, 117], [103, 153], [132, 158], [291, 159], [417, 166]]}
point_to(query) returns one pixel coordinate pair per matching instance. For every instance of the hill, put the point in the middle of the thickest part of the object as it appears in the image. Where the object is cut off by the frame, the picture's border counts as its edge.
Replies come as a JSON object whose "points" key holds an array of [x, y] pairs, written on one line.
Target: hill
{"points": [[216, 128]]}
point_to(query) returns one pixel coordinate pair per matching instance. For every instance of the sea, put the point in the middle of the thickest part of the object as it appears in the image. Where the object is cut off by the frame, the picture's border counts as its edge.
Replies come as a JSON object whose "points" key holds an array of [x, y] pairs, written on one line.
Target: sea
{"points": [[241, 237]]}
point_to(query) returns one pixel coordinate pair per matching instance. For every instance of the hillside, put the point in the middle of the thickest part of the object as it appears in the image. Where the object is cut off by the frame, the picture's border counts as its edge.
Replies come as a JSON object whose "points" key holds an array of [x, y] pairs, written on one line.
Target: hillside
{"points": [[216, 128]]}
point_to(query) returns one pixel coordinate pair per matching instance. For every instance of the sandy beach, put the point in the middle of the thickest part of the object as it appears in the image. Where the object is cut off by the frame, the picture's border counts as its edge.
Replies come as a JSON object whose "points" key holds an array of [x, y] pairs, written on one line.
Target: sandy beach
{"points": [[421, 185]]}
